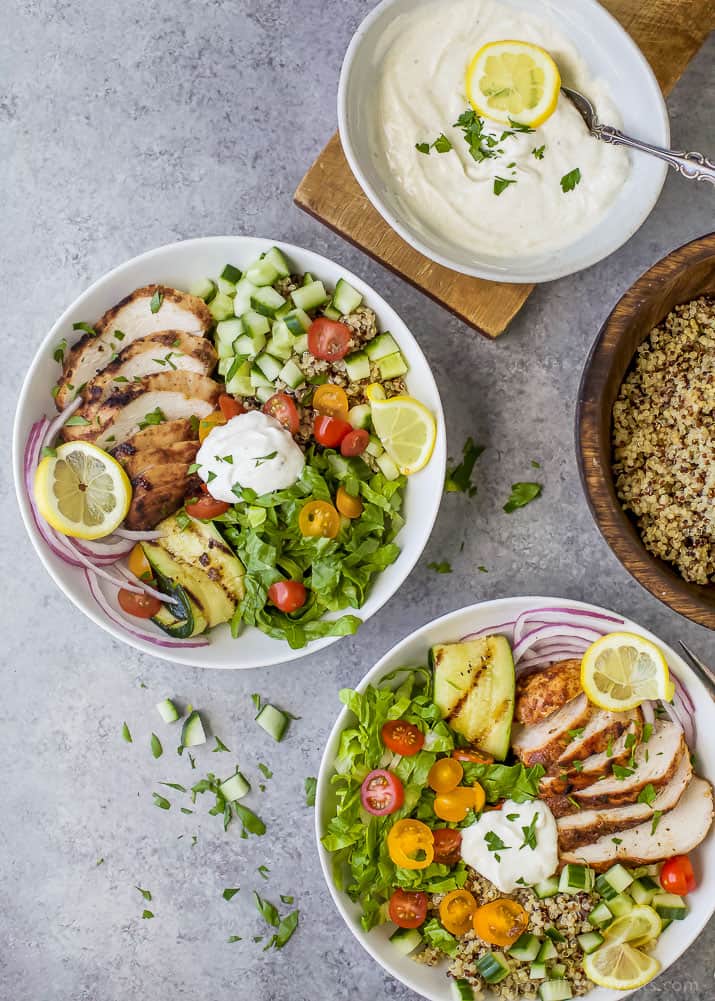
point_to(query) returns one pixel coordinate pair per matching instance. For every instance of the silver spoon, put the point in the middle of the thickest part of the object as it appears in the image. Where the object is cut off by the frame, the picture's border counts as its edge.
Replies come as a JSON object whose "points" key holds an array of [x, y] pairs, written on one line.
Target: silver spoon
{"points": [[694, 166]]}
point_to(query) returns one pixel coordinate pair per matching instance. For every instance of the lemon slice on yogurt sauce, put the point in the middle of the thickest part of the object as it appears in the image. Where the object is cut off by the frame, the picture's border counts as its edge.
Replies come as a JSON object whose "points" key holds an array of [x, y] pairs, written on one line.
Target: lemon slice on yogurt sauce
{"points": [[512, 81]]}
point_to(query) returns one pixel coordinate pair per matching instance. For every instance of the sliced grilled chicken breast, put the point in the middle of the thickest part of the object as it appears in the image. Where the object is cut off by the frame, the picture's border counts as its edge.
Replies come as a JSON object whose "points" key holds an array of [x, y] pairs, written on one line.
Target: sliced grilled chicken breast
{"points": [[157, 436], [580, 774], [168, 396], [586, 826], [145, 459], [158, 492], [168, 351], [602, 727], [677, 833], [545, 691], [132, 318], [543, 742]]}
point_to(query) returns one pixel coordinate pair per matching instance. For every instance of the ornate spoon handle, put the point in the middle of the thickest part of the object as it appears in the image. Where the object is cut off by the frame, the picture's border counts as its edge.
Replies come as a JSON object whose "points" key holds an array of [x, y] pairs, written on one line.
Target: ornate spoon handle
{"points": [[694, 166]]}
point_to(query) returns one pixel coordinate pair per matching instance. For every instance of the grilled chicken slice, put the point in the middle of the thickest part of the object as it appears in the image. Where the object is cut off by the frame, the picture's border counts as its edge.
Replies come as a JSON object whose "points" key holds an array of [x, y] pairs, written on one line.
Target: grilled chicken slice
{"points": [[677, 833], [543, 742], [168, 396], [143, 462], [602, 727], [133, 318], [157, 436], [168, 351], [158, 492], [584, 773], [586, 826], [545, 691]]}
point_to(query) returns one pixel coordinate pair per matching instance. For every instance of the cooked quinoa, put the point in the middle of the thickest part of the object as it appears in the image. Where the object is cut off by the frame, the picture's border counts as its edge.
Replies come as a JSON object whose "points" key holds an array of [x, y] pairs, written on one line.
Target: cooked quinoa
{"points": [[568, 913], [664, 440]]}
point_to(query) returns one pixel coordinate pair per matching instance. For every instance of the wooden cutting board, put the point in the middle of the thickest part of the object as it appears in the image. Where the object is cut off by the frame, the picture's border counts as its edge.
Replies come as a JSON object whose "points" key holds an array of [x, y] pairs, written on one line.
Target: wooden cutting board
{"points": [[669, 32]]}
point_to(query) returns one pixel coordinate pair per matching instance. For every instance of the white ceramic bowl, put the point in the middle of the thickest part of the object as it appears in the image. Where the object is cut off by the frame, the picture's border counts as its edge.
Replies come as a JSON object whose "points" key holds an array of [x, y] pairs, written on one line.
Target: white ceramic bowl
{"points": [[610, 55], [432, 982], [179, 264]]}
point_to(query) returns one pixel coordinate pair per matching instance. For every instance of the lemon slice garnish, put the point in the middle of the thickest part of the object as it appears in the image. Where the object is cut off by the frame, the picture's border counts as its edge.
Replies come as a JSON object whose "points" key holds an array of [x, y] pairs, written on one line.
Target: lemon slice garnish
{"points": [[406, 429], [620, 966], [639, 926], [82, 491], [621, 670], [513, 81]]}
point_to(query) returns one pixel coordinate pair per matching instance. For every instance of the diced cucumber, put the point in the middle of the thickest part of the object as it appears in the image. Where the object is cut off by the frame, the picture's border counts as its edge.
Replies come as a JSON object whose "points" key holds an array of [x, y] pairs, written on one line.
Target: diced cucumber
{"points": [[239, 382], [242, 299], [600, 916], [462, 990], [167, 710], [357, 366], [282, 339], [614, 881], [264, 393], [231, 274], [392, 366], [310, 296], [234, 787], [273, 721], [576, 879], [346, 299], [537, 971], [381, 346], [258, 379], [387, 467], [226, 287], [525, 948], [192, 732], [331, 312], [269, 365], [266, 300], [547, 952], [291, 375], [547, 888], [228, 330], [249, 346], [590, 941], [256, 324], [493, 967], [221, 307], [406, 940], [555, 990], [300, 344], [620, 905], [278, 348], [374, 449], [664, 924], [669, 906], [554, 934], [308, 279], [275, 257], [643, 889], [360, 416], [204, 288], [224, 351], [224, 364], [297, 321], [644, 870], [261, 273], [557, 970]]}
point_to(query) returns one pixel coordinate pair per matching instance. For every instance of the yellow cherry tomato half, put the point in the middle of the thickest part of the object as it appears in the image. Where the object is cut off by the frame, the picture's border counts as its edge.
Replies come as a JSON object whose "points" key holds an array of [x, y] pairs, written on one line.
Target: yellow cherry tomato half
{"points": [[348, 505], [445, 775], [138, 564], [456, 911], [480, 797], [319, 518], [501, 922], [331, 401], [407, 839], [454, 806], [207, 424]]}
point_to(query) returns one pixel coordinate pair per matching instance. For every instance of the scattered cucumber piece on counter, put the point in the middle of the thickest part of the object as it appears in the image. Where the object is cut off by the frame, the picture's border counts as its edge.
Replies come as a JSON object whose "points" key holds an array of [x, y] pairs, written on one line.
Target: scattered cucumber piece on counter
{"points": [[204, 288], [617, 879], [275, 258], [537, 971], [620, 905], [346, 299], [576, 879], [600, 916], [357, 365], [392, 366], [643, 889], [555, 990], [589, 941], [669, 906], [406, 940], [359, 416], [234, 788], [462, 990], [547, 888], [526, 948], [381, 346], [273, 721], [493, 967], [192, 732], [310, 296], [387, 467], [167, 710]]}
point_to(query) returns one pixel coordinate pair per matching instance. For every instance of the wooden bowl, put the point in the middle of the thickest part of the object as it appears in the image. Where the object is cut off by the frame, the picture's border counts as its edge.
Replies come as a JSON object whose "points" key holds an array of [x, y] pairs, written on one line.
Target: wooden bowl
{"points": [[684, 274]]}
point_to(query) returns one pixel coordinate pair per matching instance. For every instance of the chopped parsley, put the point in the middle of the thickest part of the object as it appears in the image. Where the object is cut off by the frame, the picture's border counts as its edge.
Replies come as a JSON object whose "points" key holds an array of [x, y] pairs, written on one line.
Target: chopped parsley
{"points": [[59, 353], [161, 802], [234, 938], [146, 894], [529, 834], [174, 785], [119, 335], [647, 795], [230, 892], [251, 824], [576, 733], [267, 910], [578, 765], [521, 495], [156, 301], [647, 732], [442, 567], [501, 184], [85, 327], [310, 785], [47, 451], [520, 127], [260, 459], [512, 816], [459, 479], [538, 152], [481, 146], [482, 570], [193, 468], [264, 871], [630, 740], [182, 520], [656, 820], [494, 842], [574, 802], [621, 771], [147, 914], [156, 749], [440, 145], [126, 734], [570, 180], [287, 900], [156, 416], [76, 421], [616, 841], [422, 147], [609, 748], [266, 772], [220, 746]]}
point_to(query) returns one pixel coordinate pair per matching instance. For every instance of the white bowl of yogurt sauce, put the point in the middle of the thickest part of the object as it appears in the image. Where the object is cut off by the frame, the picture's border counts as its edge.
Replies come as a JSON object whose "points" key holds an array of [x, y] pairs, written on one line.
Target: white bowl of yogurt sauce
{"points": [[403, 83]]}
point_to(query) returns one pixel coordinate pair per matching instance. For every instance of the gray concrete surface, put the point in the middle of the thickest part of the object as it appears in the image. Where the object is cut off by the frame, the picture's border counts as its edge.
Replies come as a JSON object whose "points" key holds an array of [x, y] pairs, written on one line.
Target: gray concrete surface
{"points": [[125, 126]]}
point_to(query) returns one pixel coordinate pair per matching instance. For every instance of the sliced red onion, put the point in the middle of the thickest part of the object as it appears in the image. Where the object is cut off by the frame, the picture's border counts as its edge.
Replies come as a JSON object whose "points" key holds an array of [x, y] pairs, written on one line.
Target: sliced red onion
{"points": [[683, 693], [538, 633], [105, 552], [503, 627], [126, 533], [577, 616], [32, 452], [167, 599], [118, 620], [648, 710], [60, 421]]}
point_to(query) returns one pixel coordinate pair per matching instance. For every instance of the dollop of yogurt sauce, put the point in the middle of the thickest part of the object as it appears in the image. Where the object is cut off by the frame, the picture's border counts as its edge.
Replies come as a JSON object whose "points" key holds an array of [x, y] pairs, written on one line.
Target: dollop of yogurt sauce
{"points": [[518, 842], [421, 94], [252, 450]]}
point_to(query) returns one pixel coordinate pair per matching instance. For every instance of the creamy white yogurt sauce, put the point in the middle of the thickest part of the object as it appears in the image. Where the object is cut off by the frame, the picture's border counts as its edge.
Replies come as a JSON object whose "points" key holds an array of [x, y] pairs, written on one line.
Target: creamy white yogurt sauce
{"points": [[252, 450], [422, 93], [518, 860]]}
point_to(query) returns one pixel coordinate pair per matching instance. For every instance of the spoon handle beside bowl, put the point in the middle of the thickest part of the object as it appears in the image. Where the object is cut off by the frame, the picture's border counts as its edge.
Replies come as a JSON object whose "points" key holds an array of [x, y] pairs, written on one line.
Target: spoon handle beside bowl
{"points": [[693, 166]]}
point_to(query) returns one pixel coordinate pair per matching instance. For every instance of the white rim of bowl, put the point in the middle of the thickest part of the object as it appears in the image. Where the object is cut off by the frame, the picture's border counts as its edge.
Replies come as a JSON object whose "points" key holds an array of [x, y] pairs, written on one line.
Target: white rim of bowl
{"points": [[182, 655], [509, 276]]}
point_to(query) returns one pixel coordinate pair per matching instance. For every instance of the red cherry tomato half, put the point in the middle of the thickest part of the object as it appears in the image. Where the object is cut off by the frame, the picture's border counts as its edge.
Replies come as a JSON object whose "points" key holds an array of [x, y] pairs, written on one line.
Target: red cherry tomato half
{"points": [[283, 408], [402, 737], [229, 406], [206, 508], [287, 595], [381, 793], [354, 442], [143, 606], [677, 876], [330, 431], [408, 909], [447, 845], [328, 339]]}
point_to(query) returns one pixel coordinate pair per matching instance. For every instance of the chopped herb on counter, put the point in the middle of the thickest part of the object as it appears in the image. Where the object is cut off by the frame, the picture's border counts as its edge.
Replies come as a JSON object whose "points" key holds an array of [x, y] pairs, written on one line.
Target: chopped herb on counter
{"points": [[126, 734], [441, 567], [156, 749], [521, 495], [230, 892], [311, 784], [459, 479]]}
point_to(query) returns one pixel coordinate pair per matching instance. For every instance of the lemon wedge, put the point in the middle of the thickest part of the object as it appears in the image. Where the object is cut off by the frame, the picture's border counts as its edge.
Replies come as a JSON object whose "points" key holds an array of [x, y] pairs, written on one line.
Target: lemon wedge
{"points": [[82, 491], [621, 670], [513, 81], [406, 429], [639, 926], [620, 967]]}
